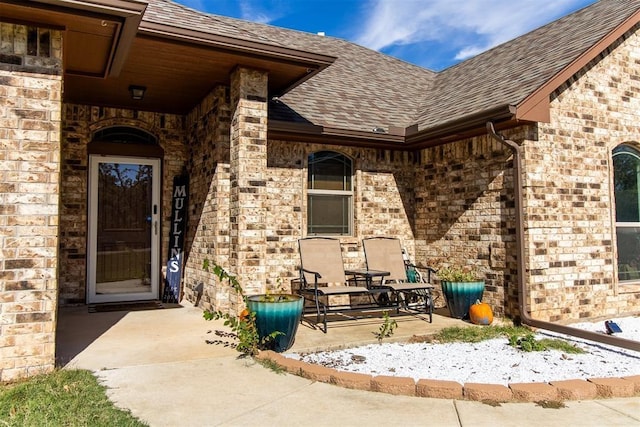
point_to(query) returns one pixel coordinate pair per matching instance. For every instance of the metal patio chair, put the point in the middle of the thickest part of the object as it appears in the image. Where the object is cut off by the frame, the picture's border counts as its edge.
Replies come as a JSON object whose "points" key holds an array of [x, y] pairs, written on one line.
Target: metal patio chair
{"points": [[407, 285], [323, 278]]}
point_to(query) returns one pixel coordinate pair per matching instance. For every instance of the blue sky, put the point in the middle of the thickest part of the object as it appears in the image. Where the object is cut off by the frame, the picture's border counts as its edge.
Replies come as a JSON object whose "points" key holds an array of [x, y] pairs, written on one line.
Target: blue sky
{"points": [[431, 33]]}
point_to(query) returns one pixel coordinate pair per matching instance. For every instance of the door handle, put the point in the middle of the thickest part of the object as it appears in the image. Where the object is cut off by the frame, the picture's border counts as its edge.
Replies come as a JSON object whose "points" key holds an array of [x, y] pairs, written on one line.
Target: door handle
{"points": [[155, 227]]}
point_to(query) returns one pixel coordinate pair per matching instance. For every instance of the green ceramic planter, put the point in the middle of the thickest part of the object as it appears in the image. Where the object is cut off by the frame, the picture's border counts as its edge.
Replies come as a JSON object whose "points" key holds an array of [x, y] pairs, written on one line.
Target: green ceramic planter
{"points": [[460, 296], [282, 316]]}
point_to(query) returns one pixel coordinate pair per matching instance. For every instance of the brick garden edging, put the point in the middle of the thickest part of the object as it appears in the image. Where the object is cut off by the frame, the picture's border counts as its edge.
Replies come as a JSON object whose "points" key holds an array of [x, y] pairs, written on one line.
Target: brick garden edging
{"points": [[592, 388]]}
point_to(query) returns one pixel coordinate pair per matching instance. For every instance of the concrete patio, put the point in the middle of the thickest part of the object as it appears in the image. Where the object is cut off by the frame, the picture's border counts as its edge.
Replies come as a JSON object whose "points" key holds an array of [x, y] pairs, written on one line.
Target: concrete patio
{"points": [[157, 364]]}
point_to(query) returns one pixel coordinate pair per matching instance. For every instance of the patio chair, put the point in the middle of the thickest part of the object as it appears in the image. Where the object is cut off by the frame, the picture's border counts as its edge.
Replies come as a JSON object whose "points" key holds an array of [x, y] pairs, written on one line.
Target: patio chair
{"points": [[322, 276], [407, 285]]}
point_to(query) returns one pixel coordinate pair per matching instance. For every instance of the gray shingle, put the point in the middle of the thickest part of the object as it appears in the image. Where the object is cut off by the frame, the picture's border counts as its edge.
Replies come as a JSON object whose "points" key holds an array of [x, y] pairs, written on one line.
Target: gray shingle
{"points": [[361, 90], [365, 89], [507, 74]]}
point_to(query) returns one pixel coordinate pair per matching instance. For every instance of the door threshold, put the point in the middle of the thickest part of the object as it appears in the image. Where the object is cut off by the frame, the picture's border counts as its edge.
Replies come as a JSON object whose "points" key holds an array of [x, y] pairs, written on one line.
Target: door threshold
{"points": [[125, 306]]}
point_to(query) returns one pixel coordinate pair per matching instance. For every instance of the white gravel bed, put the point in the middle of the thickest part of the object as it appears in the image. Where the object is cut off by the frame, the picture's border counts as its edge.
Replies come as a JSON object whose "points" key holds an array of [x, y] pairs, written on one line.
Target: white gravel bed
{"points": [[489, 362]]}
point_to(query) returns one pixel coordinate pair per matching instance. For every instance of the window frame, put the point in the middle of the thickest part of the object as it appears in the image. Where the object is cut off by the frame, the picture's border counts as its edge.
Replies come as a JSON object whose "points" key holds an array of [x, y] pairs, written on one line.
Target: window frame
{"points": [[625, 149], [349, 194]]}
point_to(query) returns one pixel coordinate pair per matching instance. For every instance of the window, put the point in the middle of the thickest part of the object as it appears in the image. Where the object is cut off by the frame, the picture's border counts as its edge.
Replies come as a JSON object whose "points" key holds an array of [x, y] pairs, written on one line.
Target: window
{"points": [[125, 135], [329, 194], [626, 178]]}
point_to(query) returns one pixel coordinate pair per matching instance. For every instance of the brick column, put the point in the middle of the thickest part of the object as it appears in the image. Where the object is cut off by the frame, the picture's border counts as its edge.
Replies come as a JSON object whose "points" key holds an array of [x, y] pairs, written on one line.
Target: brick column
{"points": [[30, 104], [248, 161]]}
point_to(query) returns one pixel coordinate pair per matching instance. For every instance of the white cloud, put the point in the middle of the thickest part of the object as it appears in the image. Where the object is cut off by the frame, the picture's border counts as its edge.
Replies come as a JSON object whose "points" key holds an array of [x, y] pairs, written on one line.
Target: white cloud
{"points": [[250, 12], [470, 26], [257, 11]]}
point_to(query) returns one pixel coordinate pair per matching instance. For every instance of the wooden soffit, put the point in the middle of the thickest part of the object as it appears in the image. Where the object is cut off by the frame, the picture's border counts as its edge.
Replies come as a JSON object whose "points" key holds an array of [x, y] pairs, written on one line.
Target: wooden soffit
{"points": [[109, 47], [97, 34]]}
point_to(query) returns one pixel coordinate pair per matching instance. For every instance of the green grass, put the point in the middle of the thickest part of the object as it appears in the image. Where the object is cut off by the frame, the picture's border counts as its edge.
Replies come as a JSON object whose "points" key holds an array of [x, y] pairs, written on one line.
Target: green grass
{"points": [[519, 337], [62, 398]]}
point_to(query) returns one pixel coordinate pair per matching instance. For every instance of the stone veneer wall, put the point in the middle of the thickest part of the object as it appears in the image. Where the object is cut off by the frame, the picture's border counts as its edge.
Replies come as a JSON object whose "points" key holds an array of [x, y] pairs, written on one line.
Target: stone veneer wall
{"points": [[569, 196], [80, 122], [30, 98]]}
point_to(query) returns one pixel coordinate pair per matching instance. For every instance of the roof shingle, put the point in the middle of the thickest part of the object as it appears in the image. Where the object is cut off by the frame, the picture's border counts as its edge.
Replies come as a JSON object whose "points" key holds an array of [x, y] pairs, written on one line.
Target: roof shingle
{"points": [[364, 89], [507, 74]]}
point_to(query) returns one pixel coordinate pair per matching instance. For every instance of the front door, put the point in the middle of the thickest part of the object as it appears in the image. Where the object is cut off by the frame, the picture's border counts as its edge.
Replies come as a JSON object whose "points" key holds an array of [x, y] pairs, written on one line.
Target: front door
{"points": [[124, 204]]}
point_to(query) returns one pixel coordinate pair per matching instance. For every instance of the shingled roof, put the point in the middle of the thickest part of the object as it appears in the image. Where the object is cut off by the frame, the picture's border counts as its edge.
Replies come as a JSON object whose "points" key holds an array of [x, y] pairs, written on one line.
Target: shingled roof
{"points": [[364, 89], [361, 90], [509, 73]]}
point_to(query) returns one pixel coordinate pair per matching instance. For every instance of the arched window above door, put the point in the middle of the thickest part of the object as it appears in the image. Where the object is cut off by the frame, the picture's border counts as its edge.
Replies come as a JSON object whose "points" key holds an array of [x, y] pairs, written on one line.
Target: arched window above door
{"points": [[125, 141], [125, 135]]}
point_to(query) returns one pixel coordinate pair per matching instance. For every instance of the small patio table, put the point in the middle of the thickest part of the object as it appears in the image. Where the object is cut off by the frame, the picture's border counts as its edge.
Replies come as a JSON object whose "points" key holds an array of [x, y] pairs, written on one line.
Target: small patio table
{"points": [[374, 280]]}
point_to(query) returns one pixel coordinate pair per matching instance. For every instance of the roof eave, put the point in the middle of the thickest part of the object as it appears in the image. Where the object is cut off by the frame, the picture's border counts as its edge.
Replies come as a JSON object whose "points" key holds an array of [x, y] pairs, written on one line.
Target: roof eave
{"points": [[463, 127], [310, 133], [128, 11], [248, 47], [397, 138]]}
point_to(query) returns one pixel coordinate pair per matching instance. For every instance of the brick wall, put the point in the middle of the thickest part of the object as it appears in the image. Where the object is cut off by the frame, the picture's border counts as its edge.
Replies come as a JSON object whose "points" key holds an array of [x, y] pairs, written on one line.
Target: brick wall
{"points": [[30, 94], [451, 204], [383, 203], [248, 161], [569, 196], [208, 135], [465, 214]]}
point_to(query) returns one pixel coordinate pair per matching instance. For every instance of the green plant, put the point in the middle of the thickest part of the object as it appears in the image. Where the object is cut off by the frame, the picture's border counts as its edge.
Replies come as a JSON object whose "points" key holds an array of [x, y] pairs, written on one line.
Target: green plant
{"points": [[527, 342], [519, 337], [272, 366], [387, 327], [66, 397], [277, 293], [458, 274], [243, 326]]}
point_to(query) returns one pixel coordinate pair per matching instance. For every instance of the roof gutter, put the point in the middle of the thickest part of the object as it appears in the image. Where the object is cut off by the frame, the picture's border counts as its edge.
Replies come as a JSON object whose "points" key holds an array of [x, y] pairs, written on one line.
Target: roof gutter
{"points": [[450, 130], [524, 313]]}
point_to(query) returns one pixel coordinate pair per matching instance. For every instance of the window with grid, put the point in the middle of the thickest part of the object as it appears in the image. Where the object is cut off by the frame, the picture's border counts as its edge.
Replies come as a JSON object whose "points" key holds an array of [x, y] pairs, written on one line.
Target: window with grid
{"points": [[329, 194]]}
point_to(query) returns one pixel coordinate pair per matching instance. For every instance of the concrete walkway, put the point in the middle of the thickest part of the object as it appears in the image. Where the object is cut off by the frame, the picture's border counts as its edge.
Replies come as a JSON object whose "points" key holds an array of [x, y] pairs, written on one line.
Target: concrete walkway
{"points": [[157, 364]]}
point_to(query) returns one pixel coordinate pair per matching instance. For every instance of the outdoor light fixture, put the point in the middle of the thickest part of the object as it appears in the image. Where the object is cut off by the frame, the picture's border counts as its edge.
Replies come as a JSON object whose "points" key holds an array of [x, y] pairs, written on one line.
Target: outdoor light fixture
{"points": [[137, 92]]}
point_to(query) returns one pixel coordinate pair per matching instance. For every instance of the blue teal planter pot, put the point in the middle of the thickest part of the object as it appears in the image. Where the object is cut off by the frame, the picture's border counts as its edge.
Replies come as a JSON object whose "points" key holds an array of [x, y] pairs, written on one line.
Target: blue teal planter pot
{"points": [[282, 315], [460, 296]]}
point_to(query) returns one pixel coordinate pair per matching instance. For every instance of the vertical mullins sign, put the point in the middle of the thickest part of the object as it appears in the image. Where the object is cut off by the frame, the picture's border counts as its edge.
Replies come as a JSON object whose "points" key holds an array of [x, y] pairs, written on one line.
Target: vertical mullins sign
{"points": [[180, 198]]}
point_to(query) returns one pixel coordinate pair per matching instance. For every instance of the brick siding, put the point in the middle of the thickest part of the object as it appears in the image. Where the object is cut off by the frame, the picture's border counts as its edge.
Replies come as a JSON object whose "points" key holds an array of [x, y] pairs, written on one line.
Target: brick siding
{"points": [[569, 202], [30, 103]]}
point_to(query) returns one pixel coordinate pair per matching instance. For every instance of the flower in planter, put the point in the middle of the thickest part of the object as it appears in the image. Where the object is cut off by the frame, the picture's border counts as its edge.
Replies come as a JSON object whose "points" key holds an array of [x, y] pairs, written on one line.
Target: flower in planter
{"points": [[461, 287], [244, 325], [244, 314], [259, 326], [458, 274]]}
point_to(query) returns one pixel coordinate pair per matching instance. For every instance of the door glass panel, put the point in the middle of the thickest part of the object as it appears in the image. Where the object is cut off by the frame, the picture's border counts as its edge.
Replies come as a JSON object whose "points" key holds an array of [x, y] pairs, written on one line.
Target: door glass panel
{"points": [[124, 227]]}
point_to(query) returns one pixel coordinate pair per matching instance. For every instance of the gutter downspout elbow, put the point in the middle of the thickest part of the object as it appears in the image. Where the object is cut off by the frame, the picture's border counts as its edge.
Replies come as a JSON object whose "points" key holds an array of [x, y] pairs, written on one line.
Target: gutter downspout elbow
{"points": [[521, 265]]}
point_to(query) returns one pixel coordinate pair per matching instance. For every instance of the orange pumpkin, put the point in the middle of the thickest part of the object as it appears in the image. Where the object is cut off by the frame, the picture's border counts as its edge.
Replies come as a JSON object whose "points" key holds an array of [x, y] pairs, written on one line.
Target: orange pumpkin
{"points": [[480, 313]]}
